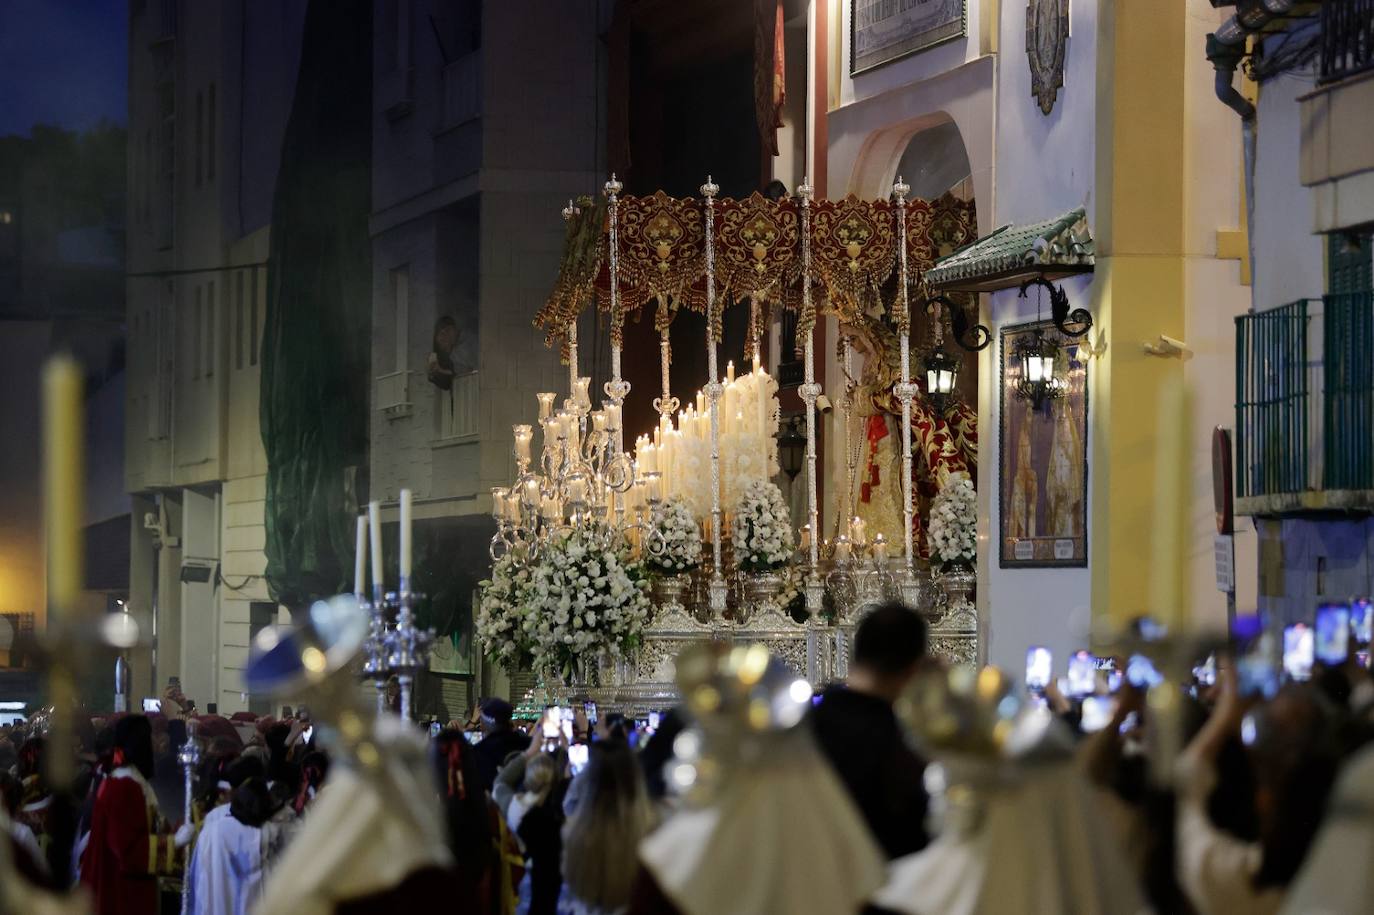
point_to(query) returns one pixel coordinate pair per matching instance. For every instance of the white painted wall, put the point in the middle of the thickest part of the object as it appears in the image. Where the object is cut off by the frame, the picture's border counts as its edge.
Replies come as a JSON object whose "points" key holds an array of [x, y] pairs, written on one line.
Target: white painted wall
{"points": [[1289, 261], [1044, 166]]}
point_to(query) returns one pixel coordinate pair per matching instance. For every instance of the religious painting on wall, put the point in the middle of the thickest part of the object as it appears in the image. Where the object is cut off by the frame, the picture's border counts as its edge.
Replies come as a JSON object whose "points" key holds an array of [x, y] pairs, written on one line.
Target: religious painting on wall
{"points": [[1043, 515], [881, 31]]}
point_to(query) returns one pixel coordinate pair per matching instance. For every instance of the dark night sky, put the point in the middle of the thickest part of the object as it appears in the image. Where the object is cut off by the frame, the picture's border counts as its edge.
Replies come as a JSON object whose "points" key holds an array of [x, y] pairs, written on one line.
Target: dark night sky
{"points": [[62, 62]]}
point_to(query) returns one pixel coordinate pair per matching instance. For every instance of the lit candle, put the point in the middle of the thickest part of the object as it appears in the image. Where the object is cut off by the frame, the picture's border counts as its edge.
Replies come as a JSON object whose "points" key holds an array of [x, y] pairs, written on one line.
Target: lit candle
{"points": [[374, 527], [730, 370], [701, 402], [805, 537], [613, 416], [599, 420], [842, 548], [857, 529], [581, 397], [523, 436], [549, 509], [63, 480], [653, 486], [545, 404], [577, 489], [360, 557], [649, 457], [880, 547], [532, 494], [406, 539]]}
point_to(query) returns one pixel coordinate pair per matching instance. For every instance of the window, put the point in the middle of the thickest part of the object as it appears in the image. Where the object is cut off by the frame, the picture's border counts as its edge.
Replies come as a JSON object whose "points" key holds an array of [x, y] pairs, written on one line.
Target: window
{"points": [[195, 335], [1349, 262], [238, 319], [200, 137], [210, 133], [210, 330], [253, 320]]}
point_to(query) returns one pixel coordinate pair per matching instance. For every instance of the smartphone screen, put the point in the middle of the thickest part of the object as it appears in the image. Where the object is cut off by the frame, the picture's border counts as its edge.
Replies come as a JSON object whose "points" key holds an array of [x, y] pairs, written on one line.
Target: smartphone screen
{"points": [[1256, 674], [1082, 678], [1361, 621], [152, 705], [1206, 672], [551, 723], [1097, 713], [653, 721], [474, 737], [590, 709], [1039, 666], [1298, 645], [1331, 640], [577, 757], [435, 728], [1141, 673]]}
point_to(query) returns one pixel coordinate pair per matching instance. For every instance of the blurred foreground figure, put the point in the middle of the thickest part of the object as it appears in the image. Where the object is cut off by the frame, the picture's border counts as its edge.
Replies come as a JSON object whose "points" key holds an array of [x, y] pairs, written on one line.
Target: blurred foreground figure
{"points": [[1339, 873], [765, 826], [374, 839], [1021, 830]]}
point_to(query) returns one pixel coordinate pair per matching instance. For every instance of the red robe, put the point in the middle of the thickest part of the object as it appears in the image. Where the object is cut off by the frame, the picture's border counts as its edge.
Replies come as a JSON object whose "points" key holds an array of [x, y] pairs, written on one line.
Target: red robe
{"points": [[128, 848]]}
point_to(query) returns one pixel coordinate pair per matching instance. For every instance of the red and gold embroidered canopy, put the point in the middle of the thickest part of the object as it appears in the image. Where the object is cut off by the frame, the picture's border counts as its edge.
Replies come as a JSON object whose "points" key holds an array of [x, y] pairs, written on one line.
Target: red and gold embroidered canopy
{"points": [[661, 255]]}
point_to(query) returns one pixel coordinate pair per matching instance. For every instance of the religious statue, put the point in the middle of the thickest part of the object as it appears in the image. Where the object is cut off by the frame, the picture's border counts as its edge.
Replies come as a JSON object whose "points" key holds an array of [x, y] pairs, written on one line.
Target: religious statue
{"points": [[944, 445]]}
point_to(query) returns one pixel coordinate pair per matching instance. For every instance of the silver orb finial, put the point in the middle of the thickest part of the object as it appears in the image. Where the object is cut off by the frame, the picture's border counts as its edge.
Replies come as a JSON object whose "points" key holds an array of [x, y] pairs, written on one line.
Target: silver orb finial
{"points": [[900, 188], [710, 188], [613, 186]]}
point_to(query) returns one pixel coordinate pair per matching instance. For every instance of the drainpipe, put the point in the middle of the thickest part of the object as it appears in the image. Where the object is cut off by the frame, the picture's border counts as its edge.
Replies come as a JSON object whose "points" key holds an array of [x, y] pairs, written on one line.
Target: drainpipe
{"points": [[1226, 49]]}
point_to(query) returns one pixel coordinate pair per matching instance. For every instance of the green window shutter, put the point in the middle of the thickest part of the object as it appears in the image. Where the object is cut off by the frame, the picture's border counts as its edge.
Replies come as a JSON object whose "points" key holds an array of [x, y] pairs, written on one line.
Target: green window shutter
{"points": [[1349, 262]]}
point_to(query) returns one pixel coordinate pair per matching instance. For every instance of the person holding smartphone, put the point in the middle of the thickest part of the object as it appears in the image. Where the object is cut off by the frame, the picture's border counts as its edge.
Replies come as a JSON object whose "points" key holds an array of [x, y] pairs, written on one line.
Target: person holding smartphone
{"points": [[499, 740]]}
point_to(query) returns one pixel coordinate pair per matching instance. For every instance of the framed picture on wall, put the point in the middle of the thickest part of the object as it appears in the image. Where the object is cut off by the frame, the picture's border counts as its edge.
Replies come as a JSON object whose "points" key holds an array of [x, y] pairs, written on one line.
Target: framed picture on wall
{"points": [[1043, 467], [881, 31]]}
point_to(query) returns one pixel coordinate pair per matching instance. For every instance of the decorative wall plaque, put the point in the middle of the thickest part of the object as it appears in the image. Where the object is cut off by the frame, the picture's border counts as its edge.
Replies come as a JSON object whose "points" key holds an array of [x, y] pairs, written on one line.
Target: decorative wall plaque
{"points": [[1047, 36]]}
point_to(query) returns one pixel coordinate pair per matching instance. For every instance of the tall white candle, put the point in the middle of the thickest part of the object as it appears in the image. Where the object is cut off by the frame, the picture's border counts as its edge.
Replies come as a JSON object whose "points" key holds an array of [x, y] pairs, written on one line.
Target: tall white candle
{"points": [[374, 526], [360, 557], [405, 539]]}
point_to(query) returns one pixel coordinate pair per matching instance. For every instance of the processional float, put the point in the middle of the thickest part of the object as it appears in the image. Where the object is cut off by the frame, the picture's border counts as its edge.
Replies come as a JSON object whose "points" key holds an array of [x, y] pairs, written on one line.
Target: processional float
{"points": [[860, 262]]}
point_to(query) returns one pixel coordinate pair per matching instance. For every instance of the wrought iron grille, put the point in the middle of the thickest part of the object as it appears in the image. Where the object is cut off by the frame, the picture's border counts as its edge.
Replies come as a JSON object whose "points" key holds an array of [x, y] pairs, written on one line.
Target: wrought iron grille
{"points": [[1348, 401], [1347, 38], [1272, 401]]}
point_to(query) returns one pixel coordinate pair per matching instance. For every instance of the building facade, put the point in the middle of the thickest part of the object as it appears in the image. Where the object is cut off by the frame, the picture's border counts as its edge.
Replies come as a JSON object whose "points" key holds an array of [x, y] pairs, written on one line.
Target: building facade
{"points": [[210, 88], [1305, 393]]}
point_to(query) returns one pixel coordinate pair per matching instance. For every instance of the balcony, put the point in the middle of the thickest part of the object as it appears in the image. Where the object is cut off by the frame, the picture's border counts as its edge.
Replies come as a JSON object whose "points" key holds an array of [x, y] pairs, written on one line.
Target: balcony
{"points": [[1305, 407], [1347, 38], [393, 395], [1337, 159]]}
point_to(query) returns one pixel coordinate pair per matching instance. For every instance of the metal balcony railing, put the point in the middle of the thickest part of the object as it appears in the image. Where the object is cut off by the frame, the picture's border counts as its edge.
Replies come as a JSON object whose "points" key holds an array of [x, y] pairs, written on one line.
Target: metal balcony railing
{"points": [[1348, 398], [1272, 399], [1347, 38]]}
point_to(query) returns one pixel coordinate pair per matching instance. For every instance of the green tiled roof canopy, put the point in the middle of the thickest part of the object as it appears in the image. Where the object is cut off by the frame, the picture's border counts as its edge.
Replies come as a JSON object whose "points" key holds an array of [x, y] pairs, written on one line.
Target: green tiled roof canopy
{"points": [[1053, 249]]}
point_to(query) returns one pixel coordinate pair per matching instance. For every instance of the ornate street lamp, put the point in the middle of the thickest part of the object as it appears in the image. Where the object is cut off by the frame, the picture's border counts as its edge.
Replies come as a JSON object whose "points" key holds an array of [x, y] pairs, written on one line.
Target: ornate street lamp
{"points": [[941, 371], [1036, 357]]}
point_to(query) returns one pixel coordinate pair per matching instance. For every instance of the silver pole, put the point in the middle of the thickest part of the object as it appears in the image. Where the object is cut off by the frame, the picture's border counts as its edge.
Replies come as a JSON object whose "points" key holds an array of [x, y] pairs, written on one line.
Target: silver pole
{"points": [[189, 757]]}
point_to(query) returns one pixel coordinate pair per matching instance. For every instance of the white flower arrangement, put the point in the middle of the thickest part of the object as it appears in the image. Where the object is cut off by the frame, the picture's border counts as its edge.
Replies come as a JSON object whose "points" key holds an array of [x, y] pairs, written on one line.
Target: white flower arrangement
{"points": [[952, 533], [578, 599], [680, 549], [762, 528], [500, 614]]}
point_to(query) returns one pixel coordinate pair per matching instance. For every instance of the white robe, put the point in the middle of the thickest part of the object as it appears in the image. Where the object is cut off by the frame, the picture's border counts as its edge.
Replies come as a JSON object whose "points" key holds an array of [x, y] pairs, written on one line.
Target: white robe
{"points": [[226, 866]]}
